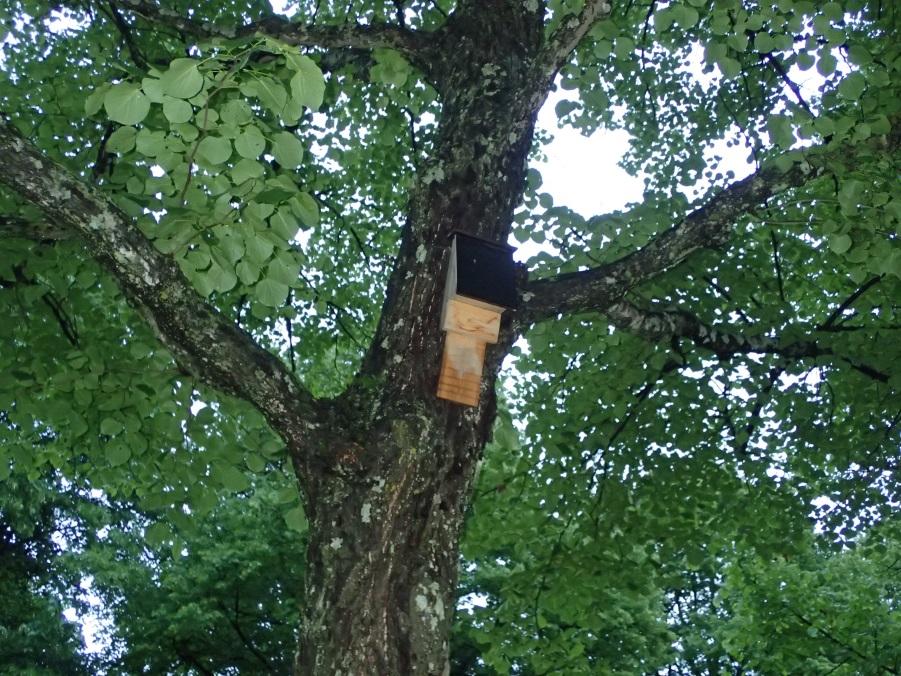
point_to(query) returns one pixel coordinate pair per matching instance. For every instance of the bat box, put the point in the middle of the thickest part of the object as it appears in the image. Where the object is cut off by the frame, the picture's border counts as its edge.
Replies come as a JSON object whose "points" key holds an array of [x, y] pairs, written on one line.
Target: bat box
{"points": [[480, 284]]}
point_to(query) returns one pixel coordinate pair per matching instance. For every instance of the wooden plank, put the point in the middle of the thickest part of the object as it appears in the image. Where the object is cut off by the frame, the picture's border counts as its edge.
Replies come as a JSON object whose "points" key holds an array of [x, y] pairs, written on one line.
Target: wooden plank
{"points": [[472, 320], [461, 369]]}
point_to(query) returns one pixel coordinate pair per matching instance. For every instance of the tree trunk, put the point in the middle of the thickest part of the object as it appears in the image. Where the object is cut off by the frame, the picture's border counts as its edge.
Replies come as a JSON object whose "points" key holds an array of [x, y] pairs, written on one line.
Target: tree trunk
{"points": [[385, 521], [387, 502]]}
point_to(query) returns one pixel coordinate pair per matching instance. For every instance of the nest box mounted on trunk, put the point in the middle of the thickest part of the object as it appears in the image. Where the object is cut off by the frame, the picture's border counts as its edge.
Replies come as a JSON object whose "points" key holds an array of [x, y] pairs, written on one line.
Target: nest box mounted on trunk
{"points": [[480, 285]]}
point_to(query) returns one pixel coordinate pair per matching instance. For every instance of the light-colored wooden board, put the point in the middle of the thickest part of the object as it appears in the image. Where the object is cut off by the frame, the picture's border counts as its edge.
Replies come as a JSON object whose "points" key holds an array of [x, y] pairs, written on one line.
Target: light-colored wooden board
{"points": [[461, 369], [472, 320]]}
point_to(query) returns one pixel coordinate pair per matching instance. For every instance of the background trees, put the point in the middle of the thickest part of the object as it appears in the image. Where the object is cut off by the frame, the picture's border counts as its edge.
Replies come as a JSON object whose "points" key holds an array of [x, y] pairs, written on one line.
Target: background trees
{"points": [[703, 375]]}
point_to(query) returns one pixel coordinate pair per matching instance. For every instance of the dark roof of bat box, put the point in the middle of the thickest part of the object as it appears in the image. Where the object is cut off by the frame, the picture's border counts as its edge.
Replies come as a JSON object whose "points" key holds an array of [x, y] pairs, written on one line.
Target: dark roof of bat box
{"points": [[483, 270]]}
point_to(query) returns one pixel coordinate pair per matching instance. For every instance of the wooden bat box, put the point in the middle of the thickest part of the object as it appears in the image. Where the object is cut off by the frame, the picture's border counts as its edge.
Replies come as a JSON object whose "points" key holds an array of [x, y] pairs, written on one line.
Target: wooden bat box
{"points": [[480, 285]]}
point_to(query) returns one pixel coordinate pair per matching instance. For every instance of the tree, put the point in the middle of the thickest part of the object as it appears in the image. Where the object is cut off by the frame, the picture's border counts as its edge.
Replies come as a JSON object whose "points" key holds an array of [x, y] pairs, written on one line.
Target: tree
{"points": [[205, 276], [34, 636]]}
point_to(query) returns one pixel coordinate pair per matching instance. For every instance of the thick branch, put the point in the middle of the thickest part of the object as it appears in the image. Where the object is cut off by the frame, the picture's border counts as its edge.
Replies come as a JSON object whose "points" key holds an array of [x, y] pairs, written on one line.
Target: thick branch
{"points": [[569, 34], [661, 326], [708, 226], [409, 42], [203, 341]]}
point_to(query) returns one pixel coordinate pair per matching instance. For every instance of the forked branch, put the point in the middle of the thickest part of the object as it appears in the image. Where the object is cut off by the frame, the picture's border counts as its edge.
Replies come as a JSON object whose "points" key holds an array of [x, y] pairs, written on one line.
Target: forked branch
{"points": [[203, 341], [723, 341], [708, 226], [569, 34], [409, 42]]}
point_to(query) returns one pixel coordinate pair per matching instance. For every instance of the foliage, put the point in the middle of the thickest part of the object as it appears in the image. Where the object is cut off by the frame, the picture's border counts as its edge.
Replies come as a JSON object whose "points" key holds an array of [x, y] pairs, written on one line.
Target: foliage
{"points": [[652, 506], [35, 639], [238, 569]]}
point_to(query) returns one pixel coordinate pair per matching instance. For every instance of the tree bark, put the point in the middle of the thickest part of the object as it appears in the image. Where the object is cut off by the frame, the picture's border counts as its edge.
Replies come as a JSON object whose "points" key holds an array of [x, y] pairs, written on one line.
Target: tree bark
{"points": [[386, 469], [387, 502]]}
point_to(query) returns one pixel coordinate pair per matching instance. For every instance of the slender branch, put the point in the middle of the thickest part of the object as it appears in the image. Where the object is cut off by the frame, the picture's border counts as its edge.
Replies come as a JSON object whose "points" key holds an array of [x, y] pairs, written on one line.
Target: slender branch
{"points": [[66, 323], [778, 67], [125, 31], [708, 226], [569, 34], [658, 326], [763, 398], [411, 43], [836, 316], [867, 659], [777, 264], [204, 342], [104, 159], [235, 624]]}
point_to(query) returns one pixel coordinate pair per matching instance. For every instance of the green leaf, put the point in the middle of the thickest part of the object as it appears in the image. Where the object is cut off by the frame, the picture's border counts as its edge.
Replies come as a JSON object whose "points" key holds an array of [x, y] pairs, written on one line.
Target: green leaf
{"points": [[153, 88], [308, 84], [214, 149], [826, 63], [271, 92], [250, 143], [390, 67], [687, 17], [258, 248], [126, 104], [94, 102], [111, 427], [852, 87], [248, 272], [255, 463], [177, 110], [117, 454], [236, 113], [221, 278], [306, 208], [284, 224], [623, 48], [284, 268], [157, 534], [763, 43], [730, 67], [296, 519], [839, 243], [183, 79], [271, 292], [122, 140], [233, 479], [245, 170], [287, 149], [780, 129]]}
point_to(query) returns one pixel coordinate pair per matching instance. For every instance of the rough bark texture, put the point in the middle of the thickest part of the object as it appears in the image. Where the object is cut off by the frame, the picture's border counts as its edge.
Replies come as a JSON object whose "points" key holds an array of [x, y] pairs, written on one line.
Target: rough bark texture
{"points": [[386, 469], [386, 506]]}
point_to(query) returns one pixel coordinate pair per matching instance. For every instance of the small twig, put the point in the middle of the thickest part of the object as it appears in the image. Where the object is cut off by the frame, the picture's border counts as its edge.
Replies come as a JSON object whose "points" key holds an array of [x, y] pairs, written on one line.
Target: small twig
{"points": [[774, 62], [777, 264], [412, 127], [62, 317], [763, 398], [102, 163], [125, 31], [725, 294], [836, 316], [288, 322]]}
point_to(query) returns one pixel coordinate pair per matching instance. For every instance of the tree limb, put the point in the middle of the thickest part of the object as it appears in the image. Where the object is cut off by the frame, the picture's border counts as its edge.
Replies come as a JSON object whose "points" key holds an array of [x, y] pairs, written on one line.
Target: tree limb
{"points": [[706, 227], [409, 42], [201, 338], [837, 314], [662, 325], [569, 34]]}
